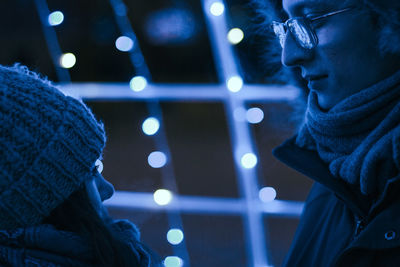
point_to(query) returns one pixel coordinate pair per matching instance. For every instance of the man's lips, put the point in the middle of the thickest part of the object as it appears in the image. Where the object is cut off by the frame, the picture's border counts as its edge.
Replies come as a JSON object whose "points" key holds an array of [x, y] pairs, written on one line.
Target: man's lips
{"points": [[311, 78]]}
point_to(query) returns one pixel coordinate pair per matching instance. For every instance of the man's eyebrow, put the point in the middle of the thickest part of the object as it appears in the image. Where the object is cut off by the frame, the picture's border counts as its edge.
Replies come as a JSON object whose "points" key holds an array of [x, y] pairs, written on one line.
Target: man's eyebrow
{"points": [[300, 7]]}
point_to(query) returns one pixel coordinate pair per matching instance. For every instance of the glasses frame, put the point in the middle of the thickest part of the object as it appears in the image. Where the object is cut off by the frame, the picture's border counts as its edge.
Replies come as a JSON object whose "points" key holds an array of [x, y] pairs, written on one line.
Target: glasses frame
{"points": [[281, 28]]}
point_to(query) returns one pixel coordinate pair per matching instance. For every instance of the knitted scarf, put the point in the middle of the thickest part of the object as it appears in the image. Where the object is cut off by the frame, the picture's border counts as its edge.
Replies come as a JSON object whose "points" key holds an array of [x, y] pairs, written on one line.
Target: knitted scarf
{"points": [[359, 137]]}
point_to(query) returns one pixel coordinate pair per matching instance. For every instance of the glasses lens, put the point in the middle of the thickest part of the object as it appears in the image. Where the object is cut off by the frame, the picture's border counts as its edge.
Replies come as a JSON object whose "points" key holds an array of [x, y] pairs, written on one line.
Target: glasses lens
{"points": [[280, 31], [302, 32]]}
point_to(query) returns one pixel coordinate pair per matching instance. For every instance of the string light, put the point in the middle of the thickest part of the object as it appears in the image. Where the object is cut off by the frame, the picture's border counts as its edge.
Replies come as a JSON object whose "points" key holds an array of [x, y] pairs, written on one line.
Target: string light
{"points": [[124, 43], [235, 36], [162, 197], [67, 60], [267, 194], [248, 160], [234, 84], [239, 114], [150, 126], [55, 18], [138, 83], [157, 159], [254, 115], [175, 236], [173, 261], [217, 8]]}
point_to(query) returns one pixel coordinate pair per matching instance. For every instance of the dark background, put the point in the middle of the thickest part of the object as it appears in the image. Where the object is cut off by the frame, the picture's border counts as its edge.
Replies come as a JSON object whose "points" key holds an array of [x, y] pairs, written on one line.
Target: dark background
{"points": [[197, 132]]}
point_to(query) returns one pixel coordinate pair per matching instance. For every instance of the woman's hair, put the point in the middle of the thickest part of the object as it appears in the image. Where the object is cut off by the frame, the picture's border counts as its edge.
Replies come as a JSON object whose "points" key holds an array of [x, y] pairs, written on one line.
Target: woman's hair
{"points": [[78, 215]]}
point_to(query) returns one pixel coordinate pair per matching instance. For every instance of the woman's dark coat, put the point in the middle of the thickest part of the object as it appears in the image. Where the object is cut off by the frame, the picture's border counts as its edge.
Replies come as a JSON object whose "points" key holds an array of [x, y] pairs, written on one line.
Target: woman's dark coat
{"points": [[340, 226]]}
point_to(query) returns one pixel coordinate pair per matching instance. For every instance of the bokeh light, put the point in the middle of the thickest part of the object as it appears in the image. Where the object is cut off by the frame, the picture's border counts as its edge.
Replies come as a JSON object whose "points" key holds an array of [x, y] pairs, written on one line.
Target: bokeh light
{"points": [[234, 84], [248, 160], [239, 114], [235, 36], [173, 261], [254, 115], [124, 43], [138, 83], [55, 18], [175, 236], [217, 8], [99, 165], [67, 60], [162, 197], [150, 126], [157, 159], [267, 194]]}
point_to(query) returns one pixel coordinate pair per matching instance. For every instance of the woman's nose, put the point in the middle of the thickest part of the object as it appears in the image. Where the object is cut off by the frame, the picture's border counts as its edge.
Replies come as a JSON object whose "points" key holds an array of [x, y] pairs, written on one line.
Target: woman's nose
{"points": [[293, 54], [105, 188]]}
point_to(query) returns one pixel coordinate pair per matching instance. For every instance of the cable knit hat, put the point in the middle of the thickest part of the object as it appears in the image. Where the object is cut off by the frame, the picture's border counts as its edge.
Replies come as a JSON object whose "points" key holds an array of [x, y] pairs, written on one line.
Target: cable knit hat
{"points": [[49, 144]]}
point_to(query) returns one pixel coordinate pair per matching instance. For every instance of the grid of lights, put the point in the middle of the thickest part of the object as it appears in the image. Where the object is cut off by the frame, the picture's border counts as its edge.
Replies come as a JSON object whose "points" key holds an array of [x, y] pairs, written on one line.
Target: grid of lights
{"points": [[240, 118]]}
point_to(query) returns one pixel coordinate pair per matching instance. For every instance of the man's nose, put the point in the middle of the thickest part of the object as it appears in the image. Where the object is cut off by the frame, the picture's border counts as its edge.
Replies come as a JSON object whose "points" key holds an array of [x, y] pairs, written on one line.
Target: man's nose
{"points": [[293, 54], [105, 188]]}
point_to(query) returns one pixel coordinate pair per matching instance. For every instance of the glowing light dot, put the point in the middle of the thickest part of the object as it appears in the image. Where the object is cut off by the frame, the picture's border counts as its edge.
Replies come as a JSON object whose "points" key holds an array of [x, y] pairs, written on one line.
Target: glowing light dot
{"points": [[67, 60], [124, 43], [173, 261], [162, 197], [150, 126], [55, 18], [138, 83], [234, 84], [175, 236], [254, 115], [239, 114], [235, 36], [248, 160], [267, 194], [157, 159], [217, 8], [99, 165]]}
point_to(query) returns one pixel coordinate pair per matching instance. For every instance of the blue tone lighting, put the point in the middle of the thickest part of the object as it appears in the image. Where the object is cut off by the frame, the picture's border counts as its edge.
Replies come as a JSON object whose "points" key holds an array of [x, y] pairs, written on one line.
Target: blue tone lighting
{"points": [[217, 8], [267, 194], [248, 160], [175, 236], [173, 261], [56, 18], [239, 114], [234, 84], [150, 126], [157, 159], [254, 115], [235, 36], [138, 83], [67, 60], [170, 26], [162, 197], [124, 44]]}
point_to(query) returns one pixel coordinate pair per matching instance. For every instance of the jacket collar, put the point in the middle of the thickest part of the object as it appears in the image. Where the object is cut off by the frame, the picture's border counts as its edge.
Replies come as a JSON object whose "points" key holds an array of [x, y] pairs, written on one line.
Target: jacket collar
{"points": [[310, 164]]}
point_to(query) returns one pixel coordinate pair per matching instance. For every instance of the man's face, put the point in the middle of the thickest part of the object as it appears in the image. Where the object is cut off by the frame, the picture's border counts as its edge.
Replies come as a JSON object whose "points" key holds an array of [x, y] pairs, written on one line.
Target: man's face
{"points": [[347, 58]]}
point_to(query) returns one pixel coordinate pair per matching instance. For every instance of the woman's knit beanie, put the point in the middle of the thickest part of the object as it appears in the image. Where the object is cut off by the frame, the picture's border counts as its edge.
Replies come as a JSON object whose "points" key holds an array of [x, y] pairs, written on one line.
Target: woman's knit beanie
{"points": [[49, 144]]}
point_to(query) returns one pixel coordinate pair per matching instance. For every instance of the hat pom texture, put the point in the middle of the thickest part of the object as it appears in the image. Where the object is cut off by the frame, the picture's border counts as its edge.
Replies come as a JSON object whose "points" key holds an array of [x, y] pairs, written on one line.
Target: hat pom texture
{"points": [[49, 143]]}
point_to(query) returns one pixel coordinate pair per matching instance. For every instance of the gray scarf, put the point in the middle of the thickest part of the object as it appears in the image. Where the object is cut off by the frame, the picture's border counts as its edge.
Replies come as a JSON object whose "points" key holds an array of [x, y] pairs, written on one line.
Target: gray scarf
{"points": [[359, 137]]}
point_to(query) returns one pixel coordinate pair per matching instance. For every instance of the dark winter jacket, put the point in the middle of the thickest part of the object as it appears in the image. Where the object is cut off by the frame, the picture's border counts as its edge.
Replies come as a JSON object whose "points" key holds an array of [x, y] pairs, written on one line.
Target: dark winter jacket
{"points": [[340, 226], [45, 246]]}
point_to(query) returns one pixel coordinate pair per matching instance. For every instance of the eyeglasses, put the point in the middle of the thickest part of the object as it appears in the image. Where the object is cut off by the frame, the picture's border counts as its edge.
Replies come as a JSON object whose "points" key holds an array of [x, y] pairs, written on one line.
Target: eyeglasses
{"points": [[301, 29]]}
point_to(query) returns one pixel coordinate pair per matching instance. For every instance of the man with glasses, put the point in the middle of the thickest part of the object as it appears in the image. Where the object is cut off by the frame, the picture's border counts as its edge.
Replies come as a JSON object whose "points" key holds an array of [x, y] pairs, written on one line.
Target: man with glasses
{"points": [[348, 52]]}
